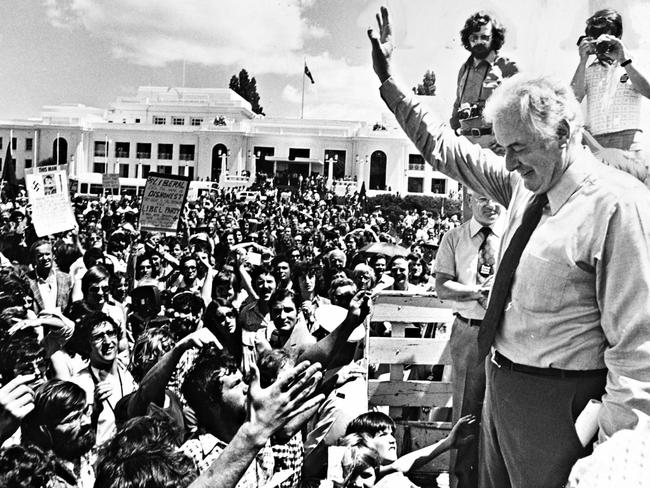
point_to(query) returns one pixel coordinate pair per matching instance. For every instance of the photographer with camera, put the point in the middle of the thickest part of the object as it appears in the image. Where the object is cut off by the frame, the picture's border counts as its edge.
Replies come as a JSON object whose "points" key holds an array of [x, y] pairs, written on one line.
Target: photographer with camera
{"points": [[612, 84], [483, 71]]}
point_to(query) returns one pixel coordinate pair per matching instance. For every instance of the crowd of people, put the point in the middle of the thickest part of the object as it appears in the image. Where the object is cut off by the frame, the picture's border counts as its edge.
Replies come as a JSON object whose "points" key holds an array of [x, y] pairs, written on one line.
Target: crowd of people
{"points": [[131, 356]]}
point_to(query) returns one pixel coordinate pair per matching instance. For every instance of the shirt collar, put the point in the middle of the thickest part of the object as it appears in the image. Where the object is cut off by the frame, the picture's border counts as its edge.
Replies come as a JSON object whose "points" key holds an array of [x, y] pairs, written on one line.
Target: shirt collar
{"points": [[475, 227], [51, 277], [571, 180]]}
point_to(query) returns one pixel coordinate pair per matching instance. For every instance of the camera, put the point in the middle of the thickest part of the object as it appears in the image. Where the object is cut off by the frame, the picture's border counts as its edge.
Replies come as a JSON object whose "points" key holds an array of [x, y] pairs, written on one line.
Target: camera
{"points": [[468, 111], [604, 47]]}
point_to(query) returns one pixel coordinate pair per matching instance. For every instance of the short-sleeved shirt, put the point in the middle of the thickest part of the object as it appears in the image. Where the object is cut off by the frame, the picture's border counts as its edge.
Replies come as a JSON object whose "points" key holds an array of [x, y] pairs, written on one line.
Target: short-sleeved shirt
{"points": [[458, 257], [613, 104]]}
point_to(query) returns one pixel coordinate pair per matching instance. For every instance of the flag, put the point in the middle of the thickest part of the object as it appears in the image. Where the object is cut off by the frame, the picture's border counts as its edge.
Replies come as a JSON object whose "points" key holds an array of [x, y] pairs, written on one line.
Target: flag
{"points": [[9, 175], [308, 74]]}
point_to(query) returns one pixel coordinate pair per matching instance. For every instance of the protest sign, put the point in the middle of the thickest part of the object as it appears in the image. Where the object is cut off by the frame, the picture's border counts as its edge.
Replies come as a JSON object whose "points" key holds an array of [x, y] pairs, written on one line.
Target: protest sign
{"points": [[162, 202], [47, 190], [111, 182]]}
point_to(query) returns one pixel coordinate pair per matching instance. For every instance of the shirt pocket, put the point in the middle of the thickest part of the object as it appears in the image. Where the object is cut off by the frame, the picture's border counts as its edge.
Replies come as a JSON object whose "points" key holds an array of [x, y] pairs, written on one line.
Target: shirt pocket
{"points": [[540, 285]]}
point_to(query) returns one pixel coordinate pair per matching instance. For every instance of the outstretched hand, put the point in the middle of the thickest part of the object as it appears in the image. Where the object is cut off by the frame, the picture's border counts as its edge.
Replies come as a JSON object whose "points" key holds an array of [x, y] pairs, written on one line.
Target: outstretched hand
{"points": [[463, 432], [16, 401], [360, 306], [289, 396], [382, 45]]}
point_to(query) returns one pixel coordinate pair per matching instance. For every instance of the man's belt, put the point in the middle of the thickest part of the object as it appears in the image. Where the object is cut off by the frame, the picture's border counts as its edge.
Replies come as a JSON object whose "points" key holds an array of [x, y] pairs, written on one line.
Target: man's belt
{"points": [[475, 131], [501, 361], [470, 322]]}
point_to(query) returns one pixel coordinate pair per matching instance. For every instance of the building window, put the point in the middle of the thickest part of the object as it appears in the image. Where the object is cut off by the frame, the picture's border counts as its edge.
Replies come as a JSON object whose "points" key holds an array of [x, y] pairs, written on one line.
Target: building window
{"points": [[377, 180], [439, 185], [0, 142], [178, 120], [137, 121], [186, 152], [196, 121], [159, 120], [99, 168], [146, 169], [297, 152], [337, 159], [28, 163], [261, 164], [165, 170], [100, 149], [29, 144], [143, 150], [181, 171], [124, 170], [165, 151], [190, 172], [416, 185], [14, 143], [122, 149], [416, 162]]}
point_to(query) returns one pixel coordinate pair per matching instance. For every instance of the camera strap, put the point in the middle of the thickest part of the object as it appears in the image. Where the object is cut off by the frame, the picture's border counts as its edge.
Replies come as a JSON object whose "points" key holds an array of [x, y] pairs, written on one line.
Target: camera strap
{"points": [[468, 67]]}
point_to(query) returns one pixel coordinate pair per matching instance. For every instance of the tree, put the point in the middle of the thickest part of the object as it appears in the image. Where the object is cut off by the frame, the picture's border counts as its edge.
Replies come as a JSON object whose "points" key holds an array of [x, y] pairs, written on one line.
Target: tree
{"points": [[247, 88], [428, 85]]}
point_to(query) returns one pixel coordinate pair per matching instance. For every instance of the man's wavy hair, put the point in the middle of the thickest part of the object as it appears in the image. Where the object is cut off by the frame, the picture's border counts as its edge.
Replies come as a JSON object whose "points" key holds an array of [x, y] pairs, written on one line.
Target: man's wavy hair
{"points": [[143, 454], [478, 20]]}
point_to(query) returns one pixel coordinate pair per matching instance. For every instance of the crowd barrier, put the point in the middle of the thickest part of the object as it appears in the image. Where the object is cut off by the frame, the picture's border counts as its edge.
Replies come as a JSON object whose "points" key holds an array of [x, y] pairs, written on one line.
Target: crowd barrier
{"points": [[414, 379]]}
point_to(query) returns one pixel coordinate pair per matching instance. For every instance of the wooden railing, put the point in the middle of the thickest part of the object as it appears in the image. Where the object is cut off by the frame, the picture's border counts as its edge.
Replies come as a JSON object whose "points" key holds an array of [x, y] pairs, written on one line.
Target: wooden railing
{"points": [[410, 345]]}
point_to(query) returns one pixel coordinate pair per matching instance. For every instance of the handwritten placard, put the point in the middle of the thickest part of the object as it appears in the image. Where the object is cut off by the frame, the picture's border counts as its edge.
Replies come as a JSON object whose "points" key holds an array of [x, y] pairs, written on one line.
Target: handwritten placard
{"points": [[111, 182], [162, 202], [48, 194]]}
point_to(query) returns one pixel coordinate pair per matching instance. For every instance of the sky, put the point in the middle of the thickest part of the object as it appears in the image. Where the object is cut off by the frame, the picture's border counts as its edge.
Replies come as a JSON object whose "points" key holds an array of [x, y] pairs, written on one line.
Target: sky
{"points": [[93, 51]]}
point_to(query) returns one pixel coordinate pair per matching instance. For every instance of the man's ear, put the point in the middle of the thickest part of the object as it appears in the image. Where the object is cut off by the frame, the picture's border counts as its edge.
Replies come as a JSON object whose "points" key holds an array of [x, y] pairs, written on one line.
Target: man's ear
{"points": [[563, 132]]}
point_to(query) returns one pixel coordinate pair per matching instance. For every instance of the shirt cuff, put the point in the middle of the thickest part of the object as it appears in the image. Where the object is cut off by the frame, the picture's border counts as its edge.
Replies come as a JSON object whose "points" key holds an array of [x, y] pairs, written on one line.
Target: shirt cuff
{"points": [[391, 93]]}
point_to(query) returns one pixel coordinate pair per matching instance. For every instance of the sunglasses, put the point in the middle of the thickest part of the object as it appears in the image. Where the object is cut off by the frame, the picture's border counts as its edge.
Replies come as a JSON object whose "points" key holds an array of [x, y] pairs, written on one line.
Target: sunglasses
{"points": [[98, 289]]}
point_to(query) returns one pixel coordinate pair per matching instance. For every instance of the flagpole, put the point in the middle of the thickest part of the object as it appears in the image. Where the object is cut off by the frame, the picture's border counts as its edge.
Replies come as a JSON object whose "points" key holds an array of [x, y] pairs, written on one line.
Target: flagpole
{"points": [[302, 102], [4, 164]]}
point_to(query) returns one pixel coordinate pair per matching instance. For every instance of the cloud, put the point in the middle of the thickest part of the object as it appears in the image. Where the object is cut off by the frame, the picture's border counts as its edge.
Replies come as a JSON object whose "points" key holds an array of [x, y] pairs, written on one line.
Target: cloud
{"points": [[267, 37], [342, 91]]}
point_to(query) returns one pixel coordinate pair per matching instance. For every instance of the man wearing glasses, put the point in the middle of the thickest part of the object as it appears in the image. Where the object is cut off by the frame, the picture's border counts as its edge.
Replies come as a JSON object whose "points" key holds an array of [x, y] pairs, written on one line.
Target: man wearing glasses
{"points": [[483, 36], [105, 380]]}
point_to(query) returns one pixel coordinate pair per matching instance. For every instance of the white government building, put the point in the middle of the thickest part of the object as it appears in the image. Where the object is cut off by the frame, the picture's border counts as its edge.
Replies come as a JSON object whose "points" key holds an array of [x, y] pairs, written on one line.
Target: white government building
{"points": [[204, 132]]}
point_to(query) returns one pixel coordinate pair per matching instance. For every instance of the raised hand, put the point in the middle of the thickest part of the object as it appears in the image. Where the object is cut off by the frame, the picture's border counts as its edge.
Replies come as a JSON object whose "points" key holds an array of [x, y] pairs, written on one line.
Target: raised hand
{"points": [[103, 391], [382, 45], [16, 401], [271, 408], [463, 431], [199, 338], [360, 306]]}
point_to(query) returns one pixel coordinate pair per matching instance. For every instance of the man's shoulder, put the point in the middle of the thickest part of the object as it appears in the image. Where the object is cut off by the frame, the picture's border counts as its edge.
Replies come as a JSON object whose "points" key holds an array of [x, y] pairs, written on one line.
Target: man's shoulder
{"points": [[62, 276], [249, 307], [619, 186], [508, 66], [454, 233]]}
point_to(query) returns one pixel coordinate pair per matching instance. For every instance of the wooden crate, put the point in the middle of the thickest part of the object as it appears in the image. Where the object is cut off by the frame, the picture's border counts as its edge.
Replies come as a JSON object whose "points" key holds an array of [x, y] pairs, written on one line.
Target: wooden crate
{"points": [[394, 390]]}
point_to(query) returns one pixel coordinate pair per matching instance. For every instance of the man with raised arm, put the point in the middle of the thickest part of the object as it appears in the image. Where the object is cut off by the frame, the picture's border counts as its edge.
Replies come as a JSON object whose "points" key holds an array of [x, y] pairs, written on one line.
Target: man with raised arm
{"points": [[568, 314]]}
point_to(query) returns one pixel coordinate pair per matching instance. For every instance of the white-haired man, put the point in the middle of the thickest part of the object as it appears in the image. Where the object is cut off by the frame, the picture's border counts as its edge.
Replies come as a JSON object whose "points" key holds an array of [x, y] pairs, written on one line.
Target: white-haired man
{"points": [[568, 314]]}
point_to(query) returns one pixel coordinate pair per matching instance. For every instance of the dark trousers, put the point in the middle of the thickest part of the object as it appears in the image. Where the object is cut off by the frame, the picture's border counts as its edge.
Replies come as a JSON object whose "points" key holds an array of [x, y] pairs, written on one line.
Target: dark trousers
{"points": [[528, 437], [468, 393]]}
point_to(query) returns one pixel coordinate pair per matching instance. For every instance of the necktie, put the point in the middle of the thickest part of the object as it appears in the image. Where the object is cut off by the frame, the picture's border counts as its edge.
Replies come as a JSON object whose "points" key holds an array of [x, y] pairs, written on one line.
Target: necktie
{"points": [[486, 254], [505, 273]]}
